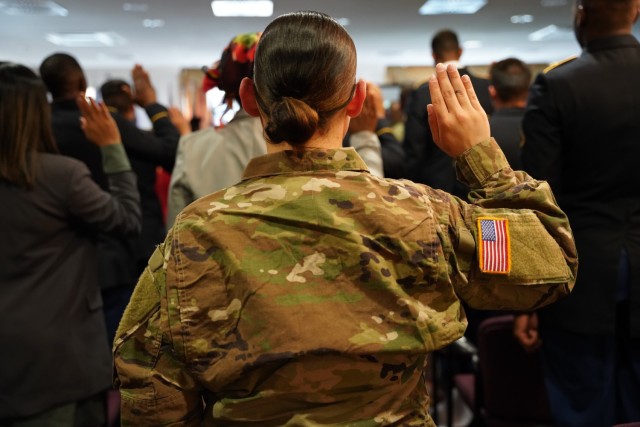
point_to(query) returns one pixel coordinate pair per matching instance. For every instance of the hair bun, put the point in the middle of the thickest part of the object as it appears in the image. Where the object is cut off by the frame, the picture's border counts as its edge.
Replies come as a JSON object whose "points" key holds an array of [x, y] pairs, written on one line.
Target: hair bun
{"points": [[291, 120]]}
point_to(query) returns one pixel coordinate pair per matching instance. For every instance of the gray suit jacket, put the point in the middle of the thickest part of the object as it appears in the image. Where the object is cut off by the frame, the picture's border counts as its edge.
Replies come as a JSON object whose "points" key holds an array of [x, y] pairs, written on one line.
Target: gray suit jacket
{"points": [[54, 341]]}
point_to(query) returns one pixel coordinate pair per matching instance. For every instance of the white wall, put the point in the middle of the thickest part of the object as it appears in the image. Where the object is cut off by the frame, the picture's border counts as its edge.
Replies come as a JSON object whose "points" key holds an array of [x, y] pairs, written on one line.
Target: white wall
{"points": [[164, 80]]}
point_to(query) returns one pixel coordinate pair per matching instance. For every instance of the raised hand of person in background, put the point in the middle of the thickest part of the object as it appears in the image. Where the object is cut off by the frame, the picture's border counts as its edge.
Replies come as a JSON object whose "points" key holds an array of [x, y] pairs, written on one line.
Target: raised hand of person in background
{"points": [[96, 122], [456, 118], [179, 121], [144, 92], [368, 117]]}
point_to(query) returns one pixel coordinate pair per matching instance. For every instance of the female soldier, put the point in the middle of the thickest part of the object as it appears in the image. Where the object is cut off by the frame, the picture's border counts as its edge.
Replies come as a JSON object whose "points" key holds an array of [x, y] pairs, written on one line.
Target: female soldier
{"points": [[311, 292]]}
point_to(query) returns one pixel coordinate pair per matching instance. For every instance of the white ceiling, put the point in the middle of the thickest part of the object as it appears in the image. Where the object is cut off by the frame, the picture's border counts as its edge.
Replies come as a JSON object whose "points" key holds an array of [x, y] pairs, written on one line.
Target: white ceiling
{"points": [[386, 32]]}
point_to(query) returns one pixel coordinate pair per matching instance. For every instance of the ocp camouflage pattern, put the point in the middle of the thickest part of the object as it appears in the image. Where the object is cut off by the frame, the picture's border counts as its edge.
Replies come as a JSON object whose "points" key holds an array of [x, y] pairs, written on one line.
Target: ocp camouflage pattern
{"points": [[311, 293]]}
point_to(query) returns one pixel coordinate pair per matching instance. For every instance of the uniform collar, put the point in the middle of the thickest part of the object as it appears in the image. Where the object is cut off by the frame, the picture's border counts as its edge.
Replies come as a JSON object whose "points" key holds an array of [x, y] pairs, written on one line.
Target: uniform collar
{"points": [[613, 42], [315, 160]]}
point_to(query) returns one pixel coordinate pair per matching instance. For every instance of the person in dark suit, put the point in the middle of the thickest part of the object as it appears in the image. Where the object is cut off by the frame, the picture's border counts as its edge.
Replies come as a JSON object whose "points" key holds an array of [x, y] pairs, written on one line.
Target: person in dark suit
{"points": [[426, 163], [55, 361], [121, 260], [509, 88], [582, 134]]}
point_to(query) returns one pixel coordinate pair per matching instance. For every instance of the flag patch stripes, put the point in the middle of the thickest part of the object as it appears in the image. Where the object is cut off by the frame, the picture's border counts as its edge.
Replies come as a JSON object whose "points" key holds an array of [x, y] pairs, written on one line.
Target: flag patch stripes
{"points": [[494, 246]]}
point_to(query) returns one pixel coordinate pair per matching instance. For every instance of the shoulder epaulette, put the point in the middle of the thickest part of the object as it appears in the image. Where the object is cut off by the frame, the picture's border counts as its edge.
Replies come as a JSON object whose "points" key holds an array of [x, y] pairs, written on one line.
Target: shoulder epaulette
{"points": [[559, 63]]}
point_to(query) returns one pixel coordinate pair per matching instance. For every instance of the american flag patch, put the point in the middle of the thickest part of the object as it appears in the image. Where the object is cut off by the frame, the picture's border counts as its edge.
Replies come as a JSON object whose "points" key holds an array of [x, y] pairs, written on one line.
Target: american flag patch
{"points": [[494, 247]]}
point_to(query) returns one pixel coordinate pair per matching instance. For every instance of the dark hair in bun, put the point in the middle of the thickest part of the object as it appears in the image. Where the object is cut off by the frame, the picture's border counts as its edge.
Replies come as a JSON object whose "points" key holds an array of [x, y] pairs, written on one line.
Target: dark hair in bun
{"points": [[304, 73]]}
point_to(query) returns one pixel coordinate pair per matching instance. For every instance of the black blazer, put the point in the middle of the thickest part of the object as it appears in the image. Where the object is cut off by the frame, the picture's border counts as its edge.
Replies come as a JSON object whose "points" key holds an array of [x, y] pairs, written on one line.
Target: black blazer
{"points": [[116, 266], [54, 340], [426, 163], [506, 128], [582, 134], [147, 151]]}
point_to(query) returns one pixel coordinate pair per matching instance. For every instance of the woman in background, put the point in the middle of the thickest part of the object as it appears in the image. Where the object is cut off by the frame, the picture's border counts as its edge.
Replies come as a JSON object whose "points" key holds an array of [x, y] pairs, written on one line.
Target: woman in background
{"points": [[55, 361], [211, 159], [311, 292]]}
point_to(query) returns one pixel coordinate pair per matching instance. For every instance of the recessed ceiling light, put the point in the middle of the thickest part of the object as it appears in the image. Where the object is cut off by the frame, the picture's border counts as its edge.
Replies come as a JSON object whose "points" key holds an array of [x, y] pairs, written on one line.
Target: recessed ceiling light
{"points": [[153, 23], [551, 32], [100, 39], [522, 19], [135, 7], [242, 7], [472, 44], [343, 21], [445, 7], [23, 8]]}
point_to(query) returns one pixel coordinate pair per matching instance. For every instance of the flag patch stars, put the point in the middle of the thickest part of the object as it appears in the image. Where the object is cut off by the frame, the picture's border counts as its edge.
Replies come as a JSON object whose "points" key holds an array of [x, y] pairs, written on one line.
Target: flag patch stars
{"points": [[494, 247]]}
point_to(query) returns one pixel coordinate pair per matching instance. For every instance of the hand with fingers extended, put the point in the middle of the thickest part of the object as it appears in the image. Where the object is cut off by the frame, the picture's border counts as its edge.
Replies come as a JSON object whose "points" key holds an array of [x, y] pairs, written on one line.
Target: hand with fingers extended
{"points": [[144, 92], [97, 124], [179, 120], [456, 118]]}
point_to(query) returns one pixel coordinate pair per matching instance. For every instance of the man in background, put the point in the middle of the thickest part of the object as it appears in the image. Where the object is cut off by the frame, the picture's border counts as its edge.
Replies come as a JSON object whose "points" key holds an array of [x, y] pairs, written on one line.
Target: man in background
{"points": [[509, 89], [121, 261], [582, 135]]}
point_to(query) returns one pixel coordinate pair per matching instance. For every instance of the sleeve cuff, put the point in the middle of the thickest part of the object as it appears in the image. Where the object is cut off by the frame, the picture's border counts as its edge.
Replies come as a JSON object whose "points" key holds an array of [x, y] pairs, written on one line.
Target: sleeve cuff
{"points": [[114, 159], [479, 162], [156, 112]]}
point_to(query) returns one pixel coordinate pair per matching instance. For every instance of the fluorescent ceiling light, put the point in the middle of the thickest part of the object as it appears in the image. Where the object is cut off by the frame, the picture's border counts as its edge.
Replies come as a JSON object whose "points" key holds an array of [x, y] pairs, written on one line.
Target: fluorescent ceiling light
{"points": [[445, 7], [100, 39], [242, 7], [472, 44], [551, 32], [521, 19], [135, 7], [153, 23], [48, 8]]}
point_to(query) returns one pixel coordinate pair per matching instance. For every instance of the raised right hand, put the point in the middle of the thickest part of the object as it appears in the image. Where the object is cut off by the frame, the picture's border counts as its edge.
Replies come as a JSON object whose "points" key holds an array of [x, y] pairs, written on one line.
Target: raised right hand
{"points": [[144, 92], [96, 122], [456, 118]]}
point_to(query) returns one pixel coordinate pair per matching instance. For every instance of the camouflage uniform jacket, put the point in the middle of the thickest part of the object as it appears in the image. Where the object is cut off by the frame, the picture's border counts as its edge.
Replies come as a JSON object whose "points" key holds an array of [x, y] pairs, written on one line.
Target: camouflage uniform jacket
{"points": [[310, 293]]}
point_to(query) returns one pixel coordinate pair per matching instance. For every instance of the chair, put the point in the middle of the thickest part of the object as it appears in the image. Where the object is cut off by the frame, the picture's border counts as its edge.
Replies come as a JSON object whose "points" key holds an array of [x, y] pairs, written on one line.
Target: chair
{"points": [[507, 389]]}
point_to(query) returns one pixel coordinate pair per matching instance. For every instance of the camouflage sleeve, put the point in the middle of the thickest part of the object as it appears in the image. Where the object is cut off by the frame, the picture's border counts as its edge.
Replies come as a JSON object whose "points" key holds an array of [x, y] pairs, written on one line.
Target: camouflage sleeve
{"points": [[512, 245], [155, 386]]}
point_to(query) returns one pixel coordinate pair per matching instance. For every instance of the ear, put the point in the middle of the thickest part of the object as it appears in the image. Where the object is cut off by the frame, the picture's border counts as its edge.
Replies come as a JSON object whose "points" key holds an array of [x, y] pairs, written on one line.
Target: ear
{"points": [[635, 19], [82, 84], [459, 53], [248, 97], [492, 91], [355, 105]]}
